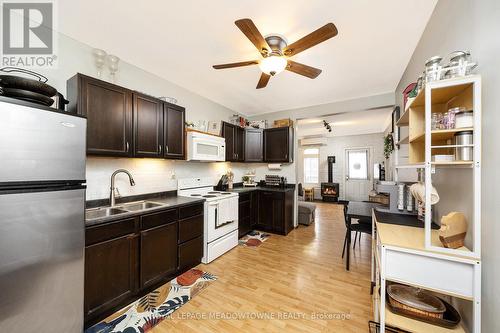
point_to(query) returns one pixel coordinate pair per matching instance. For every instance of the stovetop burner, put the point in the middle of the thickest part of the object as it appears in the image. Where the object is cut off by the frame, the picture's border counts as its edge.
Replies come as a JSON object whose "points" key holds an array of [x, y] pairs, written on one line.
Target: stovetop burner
{"points": [[196, 195], [224, 193], [209, 196]]}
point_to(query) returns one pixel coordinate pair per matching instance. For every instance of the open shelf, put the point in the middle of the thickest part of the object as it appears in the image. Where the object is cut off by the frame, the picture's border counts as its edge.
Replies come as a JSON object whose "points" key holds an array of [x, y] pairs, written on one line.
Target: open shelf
{"points": [[419, 137], [443, 135], [404, 119], [441, 95], [403, 141], [453, 163], [417, 326], [451, 146], [410, 166]]}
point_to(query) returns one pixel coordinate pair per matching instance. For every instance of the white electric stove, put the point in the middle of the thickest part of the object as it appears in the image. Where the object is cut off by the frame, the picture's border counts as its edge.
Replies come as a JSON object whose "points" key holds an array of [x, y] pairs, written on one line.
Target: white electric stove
{"points": [[220, 216]]}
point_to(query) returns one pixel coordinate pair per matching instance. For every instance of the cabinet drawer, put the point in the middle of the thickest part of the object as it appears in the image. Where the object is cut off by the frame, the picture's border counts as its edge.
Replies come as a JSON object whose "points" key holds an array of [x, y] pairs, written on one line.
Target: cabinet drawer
{"points": [[185, 212], [103, 232], [190, 253], [190, 228], [157, 219]]}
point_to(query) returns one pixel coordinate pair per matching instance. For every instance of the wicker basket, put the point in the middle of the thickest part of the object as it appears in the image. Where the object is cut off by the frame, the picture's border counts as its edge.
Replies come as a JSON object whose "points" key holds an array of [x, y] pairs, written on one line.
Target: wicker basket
{"points": [[425, 300], [416, 312]]}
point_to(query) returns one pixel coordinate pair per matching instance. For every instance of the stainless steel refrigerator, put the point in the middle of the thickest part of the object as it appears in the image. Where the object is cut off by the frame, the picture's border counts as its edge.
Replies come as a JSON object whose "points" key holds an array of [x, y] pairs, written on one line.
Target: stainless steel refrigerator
{"points": [[42, 208]]}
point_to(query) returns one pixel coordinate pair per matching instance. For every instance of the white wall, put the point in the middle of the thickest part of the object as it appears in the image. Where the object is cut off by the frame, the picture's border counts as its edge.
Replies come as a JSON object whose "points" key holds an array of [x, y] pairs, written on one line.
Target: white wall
{"points": [[473, 25], [335, 147]]}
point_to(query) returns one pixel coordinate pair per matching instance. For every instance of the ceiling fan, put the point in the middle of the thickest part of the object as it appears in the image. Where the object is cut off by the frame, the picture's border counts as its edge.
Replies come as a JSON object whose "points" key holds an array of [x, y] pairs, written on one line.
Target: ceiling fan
{"points": [[276, 52]]}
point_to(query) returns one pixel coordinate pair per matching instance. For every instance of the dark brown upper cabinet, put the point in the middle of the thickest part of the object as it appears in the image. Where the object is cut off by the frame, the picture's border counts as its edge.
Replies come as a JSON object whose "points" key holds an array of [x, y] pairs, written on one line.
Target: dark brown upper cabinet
{"points": [[108, 109], [278, 145], [235, 141], [254, 145], [148, 126], [240, 144], [121, 122], [174, 131]]}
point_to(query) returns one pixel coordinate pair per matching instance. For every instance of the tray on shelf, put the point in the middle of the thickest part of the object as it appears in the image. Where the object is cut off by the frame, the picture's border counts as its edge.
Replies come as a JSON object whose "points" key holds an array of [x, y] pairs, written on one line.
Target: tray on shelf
{"points": [[451, 317]]}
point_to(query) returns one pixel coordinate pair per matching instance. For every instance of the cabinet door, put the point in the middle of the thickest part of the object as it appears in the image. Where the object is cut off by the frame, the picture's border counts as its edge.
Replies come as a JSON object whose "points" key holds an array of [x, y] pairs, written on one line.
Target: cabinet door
{"points": [[240, 144], [174, 131], [229, 133], [265, 210], [253, 145], [109, 117], [158, 253], [110, 274], [244, 218], [148, 126], [278, 145], [190, 253], [254, 209], [278, 209]]}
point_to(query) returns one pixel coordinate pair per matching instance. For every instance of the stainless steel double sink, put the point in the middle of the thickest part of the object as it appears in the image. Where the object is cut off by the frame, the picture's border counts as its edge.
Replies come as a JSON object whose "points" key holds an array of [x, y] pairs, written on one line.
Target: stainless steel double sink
{"points": [[101, 212]]}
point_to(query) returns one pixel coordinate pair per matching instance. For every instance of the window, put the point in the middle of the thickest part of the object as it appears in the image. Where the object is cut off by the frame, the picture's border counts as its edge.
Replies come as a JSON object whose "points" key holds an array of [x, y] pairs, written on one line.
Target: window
{"points": [[311, 166], [358, 164]]}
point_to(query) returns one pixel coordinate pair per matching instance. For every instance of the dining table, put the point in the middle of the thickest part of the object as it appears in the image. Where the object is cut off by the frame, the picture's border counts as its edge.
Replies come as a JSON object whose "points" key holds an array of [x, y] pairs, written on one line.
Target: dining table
{"points": [[361, 210]]}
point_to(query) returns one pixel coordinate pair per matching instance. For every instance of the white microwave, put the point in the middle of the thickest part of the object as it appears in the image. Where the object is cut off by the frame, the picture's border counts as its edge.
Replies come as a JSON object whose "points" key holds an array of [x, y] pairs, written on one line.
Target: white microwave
{"points": [[205, 147]]}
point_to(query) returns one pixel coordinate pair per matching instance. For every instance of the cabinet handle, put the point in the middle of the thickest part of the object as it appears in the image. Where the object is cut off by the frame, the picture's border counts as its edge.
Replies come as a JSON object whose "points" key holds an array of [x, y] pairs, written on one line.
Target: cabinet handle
{"points": [[166, 149], [128, 147], [159, 146]]}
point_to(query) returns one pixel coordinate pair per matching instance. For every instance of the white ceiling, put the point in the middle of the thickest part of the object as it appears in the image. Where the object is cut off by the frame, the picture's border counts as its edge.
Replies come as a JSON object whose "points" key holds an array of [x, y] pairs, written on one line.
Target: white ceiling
{"points": [[350, 123], [181, 40]]}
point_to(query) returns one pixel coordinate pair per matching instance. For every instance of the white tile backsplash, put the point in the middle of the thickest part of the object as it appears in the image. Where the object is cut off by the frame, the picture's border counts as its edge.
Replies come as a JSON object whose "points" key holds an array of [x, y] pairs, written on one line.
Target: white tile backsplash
{"points": [[150, 175]]}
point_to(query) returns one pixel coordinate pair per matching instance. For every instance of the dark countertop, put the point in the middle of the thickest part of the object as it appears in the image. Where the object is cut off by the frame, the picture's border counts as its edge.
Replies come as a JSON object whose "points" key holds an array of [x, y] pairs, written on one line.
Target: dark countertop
{"points": [[168, 199], [260, 188]]}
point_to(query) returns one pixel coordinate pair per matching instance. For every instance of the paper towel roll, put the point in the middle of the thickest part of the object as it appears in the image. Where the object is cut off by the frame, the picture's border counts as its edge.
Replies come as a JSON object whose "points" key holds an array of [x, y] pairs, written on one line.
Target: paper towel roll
{"points": [[275, 166]]}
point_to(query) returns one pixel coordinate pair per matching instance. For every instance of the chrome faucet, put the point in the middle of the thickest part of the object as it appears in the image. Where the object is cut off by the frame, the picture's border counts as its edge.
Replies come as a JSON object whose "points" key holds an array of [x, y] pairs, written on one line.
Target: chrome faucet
{"points": [[113, 188]]}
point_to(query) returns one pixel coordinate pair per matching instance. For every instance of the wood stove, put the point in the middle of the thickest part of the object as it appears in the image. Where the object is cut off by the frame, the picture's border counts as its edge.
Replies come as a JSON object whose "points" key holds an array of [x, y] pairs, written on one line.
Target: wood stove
{"points": [[330, 190]]}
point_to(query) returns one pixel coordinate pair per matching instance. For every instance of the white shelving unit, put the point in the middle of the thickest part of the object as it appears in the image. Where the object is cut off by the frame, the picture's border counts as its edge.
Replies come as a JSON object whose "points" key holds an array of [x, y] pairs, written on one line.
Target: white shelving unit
{"points": [[415, 256]]}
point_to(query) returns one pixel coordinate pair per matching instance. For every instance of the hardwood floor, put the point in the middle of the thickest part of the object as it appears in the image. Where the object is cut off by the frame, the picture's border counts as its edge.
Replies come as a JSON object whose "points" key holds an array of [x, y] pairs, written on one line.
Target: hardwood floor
{"points": [[299, 276]]}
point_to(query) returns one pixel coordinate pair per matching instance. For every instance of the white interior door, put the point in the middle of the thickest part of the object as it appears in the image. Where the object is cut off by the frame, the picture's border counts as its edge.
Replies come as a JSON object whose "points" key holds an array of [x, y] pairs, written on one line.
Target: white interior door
{"points": [[357, 183]]}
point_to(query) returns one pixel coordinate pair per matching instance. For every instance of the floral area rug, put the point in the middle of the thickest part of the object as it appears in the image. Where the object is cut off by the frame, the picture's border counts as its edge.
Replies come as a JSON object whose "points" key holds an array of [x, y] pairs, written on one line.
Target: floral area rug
{"points": [[147, 312], [254, 238]]}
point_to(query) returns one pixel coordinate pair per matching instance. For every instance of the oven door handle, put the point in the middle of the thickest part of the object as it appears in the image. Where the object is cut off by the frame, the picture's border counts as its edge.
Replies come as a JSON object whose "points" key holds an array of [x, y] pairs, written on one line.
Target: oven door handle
{"points": [[223, 224]]}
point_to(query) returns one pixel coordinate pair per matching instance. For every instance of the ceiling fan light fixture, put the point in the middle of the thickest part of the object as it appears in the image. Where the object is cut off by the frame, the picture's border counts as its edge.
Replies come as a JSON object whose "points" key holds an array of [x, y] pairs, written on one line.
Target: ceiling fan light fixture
{"points": [[273, 64]]}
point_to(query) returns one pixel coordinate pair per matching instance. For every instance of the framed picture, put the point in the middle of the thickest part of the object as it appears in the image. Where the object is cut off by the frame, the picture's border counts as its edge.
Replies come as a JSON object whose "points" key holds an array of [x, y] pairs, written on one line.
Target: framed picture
{"points": [[214, 127]]}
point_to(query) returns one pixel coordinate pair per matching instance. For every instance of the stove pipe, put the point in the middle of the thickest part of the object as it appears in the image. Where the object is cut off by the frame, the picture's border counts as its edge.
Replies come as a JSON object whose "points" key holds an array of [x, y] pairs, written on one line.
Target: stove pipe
{"points": [[331, 160]]}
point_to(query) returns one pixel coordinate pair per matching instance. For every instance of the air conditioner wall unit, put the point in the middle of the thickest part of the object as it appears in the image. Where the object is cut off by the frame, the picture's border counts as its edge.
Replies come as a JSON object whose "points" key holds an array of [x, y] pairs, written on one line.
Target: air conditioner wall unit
{"points": [[320, 141]]}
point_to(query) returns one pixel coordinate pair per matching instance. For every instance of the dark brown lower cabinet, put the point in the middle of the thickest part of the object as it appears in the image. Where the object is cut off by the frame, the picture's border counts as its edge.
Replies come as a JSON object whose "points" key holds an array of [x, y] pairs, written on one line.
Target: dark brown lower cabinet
{"points": [[276, 211], [125, 259], [265, 210], [158, 253], [190, 253], [110, 274], [244, 214]]}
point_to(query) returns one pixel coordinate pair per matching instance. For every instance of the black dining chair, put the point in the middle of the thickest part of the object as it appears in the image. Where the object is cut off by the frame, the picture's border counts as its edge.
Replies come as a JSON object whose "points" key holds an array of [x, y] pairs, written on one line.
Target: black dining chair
{"points": [[364, 227]]}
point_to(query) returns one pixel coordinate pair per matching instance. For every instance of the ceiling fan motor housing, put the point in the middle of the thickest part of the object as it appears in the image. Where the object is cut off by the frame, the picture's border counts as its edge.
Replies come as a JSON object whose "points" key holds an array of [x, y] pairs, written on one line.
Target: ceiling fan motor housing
{"points": [[276, 43]]}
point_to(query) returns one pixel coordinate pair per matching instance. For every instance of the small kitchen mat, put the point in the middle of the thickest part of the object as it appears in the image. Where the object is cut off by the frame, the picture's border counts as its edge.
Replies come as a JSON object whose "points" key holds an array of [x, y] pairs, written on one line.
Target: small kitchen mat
{"points": [[147, 312], [401, 219], [254, 238]]}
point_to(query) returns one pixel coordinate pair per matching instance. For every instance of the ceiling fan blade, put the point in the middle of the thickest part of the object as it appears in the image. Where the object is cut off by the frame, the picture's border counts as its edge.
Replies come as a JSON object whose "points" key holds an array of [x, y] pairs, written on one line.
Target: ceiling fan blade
{"points": [[250, 30], [264, 79], [318, 36], [302, 69], [236, 64]]}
